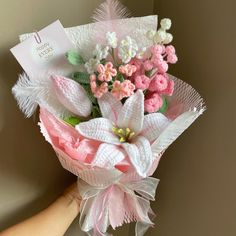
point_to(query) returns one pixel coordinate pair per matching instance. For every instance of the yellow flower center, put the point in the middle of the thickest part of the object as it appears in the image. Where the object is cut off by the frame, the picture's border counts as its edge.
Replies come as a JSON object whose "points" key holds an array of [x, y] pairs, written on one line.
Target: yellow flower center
{"points": [[124, 134]]}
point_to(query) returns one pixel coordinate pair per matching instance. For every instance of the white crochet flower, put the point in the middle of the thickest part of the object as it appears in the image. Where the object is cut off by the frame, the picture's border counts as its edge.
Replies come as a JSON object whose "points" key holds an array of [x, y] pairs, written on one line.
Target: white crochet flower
{"points": [[168, 39], [128, 49], [91, 65], [111, 39], [165, 24], [143, 53], [101, 52], [160, 36], [124, 131]]}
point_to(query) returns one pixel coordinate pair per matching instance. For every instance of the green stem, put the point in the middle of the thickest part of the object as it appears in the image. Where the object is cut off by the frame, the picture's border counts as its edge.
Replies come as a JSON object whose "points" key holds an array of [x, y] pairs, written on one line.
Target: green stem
{"points": [[113, 57]]}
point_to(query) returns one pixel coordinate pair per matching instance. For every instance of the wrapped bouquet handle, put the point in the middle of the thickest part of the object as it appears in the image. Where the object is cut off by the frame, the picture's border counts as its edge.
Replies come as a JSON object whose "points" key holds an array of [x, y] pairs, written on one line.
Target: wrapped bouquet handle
{"points": [[123, 199]]}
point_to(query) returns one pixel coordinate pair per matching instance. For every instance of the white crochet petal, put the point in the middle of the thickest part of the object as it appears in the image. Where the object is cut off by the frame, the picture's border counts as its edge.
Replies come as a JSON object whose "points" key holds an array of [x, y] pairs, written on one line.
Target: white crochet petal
{"points": [[110, 107], [108, 155], [98, 129], [173, 131], [153, 125], [72, 95], [132, 113], [140, 155]]}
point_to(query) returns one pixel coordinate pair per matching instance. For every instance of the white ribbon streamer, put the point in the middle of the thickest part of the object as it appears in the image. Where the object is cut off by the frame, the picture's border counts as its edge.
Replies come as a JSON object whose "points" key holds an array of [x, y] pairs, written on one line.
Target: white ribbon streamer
{"points": [[112, 198]]}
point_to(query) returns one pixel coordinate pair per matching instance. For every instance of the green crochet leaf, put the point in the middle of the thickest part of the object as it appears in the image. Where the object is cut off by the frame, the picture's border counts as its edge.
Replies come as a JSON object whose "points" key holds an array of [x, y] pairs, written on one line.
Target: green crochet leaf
{"points": [[74, 58], [120, 77], [72, 120], [81, 77], [164, 106]]}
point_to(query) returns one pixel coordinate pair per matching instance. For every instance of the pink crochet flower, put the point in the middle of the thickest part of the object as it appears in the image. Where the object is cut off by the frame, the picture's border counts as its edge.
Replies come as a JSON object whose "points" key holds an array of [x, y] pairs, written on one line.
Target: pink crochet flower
{"points": [[158, 83], [172, 58], [170, 88], [157, 59], [153, 103], [127, 69], [170, 49], [98, 91], [158, 49], [162, 67], [137, 63], [106, 72], [148, 65], [139, 68], [141, 82], [122, 89]]}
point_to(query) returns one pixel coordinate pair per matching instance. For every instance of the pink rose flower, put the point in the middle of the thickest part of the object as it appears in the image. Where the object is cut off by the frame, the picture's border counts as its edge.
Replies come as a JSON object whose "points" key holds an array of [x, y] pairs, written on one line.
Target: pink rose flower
{"points": [[127, 69], [122, 89], [106, 72], [153, 103], [141, 82], [158, 83], [170, 88]]}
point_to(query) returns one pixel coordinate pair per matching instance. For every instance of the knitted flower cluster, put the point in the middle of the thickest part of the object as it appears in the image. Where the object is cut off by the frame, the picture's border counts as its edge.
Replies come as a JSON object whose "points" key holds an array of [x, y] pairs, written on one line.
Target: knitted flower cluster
{"points": [[151, 76], [121, 67]]}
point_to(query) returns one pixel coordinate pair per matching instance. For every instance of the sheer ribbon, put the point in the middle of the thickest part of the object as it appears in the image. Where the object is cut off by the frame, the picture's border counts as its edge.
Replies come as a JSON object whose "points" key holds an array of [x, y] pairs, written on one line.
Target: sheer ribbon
{"points": [[112, 198]]}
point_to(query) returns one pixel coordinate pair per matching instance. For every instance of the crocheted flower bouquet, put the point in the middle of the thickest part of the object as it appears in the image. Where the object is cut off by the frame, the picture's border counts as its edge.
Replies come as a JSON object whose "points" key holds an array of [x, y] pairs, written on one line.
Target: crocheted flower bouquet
{"points": [[113, 113]]}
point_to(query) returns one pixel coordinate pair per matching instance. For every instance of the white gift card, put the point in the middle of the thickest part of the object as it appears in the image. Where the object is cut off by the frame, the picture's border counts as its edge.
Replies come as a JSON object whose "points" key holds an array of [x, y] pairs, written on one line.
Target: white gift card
{"points": [[44, 50]]}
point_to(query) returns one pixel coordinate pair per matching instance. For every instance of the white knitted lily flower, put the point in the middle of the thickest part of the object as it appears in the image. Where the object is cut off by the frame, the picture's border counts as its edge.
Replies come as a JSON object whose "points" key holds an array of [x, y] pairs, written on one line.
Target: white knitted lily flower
{"points": [[124, 131]]}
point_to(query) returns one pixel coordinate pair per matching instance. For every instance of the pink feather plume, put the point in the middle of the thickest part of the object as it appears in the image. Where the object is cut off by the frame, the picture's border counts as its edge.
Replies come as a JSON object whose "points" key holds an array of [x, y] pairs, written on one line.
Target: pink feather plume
{"points": [[106, 16]]}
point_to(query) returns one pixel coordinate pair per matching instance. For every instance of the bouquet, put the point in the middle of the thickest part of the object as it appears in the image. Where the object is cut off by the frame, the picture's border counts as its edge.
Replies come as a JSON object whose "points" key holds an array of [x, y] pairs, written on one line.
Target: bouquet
{"points": [[111, 111]]}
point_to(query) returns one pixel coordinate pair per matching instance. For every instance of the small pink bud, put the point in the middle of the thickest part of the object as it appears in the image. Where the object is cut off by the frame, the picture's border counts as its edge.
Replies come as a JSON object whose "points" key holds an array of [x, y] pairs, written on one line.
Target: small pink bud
{"points": [[172, 58], [170, 49], [158, 49], [162, 67]]}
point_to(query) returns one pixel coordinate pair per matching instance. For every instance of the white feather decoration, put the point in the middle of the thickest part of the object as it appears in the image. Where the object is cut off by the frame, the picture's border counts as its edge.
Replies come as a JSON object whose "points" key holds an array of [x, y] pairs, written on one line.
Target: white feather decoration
{"points": [[31, 91], [110, 10]]}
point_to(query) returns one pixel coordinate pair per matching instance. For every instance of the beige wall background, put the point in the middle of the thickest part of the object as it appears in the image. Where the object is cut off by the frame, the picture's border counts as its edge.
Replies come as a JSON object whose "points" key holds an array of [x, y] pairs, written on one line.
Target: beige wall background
{"points": [[196, 195]]}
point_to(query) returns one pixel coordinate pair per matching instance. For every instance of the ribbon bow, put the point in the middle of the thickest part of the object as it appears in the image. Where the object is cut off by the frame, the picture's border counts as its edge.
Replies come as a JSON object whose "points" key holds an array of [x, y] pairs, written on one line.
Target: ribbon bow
{"points": [[112, 198]]}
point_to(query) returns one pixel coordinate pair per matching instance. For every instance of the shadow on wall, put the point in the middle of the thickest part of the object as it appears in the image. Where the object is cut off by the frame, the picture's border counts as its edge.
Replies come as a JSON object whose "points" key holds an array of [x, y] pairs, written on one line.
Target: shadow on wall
{"points": [[31, 175]]}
